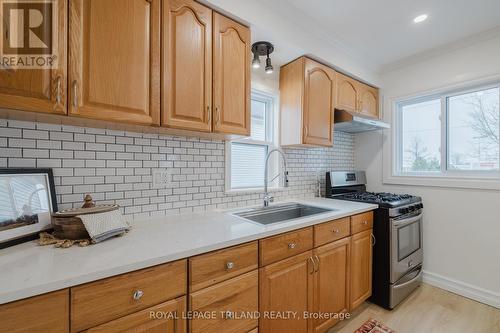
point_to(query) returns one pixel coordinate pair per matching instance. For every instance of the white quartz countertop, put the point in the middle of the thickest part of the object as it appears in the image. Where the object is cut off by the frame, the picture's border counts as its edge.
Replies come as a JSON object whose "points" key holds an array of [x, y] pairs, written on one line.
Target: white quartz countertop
{"points": [[28, 269]]}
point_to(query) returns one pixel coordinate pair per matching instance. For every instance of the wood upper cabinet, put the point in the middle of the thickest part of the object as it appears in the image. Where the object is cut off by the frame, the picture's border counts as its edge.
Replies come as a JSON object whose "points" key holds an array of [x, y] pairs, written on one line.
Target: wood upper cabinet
{"points": [[114, 60], [167, 317], [287, 286], [368, 101], [307, 103], [39, 90], [361, 268], [331, 281], [355, 96], [39, 314], [347, 93], [231, 76], [187, 65], [319, 103]]}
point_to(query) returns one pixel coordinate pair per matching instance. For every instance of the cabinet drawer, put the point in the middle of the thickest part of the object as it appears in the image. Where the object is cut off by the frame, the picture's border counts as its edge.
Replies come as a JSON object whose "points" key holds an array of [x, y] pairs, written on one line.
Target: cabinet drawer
{"points": [[164, 317], [282, 246], [102, 301], [361, 222], [214, 267], [227, 300], [331, 231], [45, 313]]}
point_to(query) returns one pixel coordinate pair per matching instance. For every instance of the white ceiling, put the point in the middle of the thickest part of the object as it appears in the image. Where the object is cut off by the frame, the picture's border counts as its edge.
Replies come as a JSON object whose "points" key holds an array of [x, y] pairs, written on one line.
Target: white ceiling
{"points": [[383, 30], [362, 37]]}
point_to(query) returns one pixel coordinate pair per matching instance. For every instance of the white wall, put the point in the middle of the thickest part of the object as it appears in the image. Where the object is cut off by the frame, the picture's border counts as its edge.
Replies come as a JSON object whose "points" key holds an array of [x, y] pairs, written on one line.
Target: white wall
{"points": [[462, 226]]}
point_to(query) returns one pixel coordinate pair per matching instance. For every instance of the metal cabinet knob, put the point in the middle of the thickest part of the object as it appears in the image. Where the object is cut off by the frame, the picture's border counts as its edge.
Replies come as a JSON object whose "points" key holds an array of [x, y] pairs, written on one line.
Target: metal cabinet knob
{"points": [[365, 222], [138, 294], [229, 315], [229, 265], [336, 231], [291, 245]]}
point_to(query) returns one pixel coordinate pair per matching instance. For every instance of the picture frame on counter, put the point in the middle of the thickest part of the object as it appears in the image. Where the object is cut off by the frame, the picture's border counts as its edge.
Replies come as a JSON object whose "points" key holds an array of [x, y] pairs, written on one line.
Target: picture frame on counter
{"points": [[27, 201]]}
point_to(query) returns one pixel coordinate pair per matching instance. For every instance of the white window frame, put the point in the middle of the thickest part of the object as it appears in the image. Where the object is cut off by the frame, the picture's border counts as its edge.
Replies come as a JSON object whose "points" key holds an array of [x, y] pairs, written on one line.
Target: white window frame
{"points": [[487, 179], [271, 142]]}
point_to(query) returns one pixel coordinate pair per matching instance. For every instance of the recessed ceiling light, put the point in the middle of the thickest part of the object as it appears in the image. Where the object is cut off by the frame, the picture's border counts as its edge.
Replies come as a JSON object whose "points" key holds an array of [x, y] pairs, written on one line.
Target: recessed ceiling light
{"points": [[420, 18]]}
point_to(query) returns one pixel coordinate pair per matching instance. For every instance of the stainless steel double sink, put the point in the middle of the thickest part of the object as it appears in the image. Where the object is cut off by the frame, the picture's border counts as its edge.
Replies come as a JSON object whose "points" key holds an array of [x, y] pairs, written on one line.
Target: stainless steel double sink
{"points": [[280, 213]]}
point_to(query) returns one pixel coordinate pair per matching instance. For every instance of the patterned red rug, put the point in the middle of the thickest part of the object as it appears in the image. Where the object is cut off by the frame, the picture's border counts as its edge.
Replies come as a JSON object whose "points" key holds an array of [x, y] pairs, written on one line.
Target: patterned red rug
{"points": [[374, 326]]}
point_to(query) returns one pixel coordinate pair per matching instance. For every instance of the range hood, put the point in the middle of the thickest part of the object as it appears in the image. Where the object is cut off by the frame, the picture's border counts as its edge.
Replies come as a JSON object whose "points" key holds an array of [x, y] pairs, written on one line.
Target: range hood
{"points": [[354, 123]]}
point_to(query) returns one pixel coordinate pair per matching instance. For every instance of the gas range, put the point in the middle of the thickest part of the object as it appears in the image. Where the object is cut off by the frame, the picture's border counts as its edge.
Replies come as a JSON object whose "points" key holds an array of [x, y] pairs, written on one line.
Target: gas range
{"points": [[397, 236], [383, 199], [352, 186]]}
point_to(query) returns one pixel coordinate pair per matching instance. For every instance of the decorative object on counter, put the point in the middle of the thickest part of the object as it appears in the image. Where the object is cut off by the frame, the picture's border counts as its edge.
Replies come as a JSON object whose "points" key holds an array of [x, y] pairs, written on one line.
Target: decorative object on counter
{"points": [[94, 222], [27, 200], [262, 49], [88, 202], [49, 239]]}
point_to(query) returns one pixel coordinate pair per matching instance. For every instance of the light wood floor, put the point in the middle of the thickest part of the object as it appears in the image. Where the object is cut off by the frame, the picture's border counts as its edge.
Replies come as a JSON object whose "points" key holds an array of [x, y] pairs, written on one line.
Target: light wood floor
{"points": [[428, 310]]}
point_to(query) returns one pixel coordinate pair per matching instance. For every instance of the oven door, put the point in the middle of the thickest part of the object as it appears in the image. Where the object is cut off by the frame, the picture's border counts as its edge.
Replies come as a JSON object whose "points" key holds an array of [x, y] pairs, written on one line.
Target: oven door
{"points": [[406, 244]]}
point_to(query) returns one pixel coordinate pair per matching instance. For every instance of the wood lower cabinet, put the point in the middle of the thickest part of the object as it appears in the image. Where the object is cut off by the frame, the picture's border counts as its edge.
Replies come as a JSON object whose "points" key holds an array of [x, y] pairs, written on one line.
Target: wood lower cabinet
{"points": [[187, 65], [231, 76], [165, 317], [39, 314], [39, 90], [307, 280], [114, 60], [287, 287], [102, 301], [307, 103], [331, 282], [226, 304], [361, 268], [214, 267]]}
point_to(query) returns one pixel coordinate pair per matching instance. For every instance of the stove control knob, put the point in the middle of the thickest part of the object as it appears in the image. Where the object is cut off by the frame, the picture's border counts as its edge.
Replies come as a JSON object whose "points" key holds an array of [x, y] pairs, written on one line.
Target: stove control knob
{"points": [[403, 210], [420, 205]]}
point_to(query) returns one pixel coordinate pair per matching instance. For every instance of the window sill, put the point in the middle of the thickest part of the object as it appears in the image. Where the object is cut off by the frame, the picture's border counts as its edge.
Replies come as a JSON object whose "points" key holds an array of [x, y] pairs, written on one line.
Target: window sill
{"points": [[252, 190], [466, 182]]}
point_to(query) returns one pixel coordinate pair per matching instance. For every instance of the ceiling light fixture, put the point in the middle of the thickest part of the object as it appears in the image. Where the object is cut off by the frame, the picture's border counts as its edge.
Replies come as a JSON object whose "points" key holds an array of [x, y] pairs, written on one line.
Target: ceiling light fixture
{"points": [[256, 61], [262, 49], [420, 18]]}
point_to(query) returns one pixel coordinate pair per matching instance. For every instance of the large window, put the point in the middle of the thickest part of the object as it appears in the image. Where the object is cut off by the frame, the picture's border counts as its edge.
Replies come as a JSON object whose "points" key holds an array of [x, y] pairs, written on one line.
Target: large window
{"points": [[245, 159], [449, 133]]}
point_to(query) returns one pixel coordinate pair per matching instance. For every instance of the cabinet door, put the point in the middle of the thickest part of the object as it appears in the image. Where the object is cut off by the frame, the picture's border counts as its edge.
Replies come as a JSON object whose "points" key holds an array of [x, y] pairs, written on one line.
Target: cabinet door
{"points": [[361, 268], [39, 90], [114, 60], [347, 93], [231, 81], [165, 317], [187, 65], [368, 101], [286, 287], [331, 285], [227, 300], [319, 104], [39, 314]]}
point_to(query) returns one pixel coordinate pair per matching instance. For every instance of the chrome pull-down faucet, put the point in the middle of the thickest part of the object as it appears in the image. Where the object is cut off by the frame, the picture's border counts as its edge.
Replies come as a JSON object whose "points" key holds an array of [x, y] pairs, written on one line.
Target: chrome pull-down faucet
{"points": [[267, 197]]}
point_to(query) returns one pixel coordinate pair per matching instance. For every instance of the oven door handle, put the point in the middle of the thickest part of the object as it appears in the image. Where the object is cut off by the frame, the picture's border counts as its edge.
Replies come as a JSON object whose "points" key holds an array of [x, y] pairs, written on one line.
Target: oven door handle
{"points": [[402, 285], [403, 222]]}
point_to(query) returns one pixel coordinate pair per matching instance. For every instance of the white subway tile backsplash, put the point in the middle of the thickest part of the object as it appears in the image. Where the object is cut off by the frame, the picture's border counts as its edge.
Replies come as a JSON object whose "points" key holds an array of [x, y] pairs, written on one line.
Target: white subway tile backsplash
{"points": [[116, 167]]}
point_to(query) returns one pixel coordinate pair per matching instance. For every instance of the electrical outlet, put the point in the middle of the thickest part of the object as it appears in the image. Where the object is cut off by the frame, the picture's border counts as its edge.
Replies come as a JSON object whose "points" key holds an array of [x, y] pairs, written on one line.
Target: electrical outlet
{"points": [[161, 178]]}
